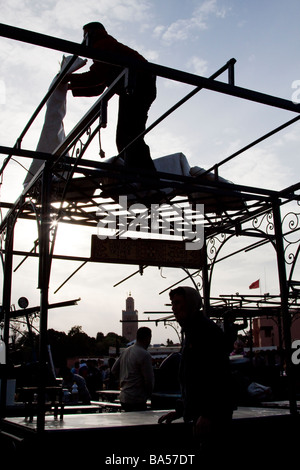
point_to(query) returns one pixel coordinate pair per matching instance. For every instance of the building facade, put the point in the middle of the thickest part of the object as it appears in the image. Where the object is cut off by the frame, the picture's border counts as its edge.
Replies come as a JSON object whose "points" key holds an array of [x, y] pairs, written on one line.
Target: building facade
{"points": [[266, 332]]}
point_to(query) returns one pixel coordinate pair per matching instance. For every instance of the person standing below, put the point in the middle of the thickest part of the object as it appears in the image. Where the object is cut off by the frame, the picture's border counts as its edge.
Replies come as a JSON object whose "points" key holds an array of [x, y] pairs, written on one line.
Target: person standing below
{"points": [[134, 103], [204, 375], [231, 329], [135, 372], [69, 379]]}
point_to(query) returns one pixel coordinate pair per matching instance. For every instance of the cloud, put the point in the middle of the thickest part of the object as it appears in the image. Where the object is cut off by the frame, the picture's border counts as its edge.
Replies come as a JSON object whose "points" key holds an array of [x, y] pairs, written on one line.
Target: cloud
{"points": [[182, 29], [56, 16], [73, 15], [260, 166], [197, 65]]}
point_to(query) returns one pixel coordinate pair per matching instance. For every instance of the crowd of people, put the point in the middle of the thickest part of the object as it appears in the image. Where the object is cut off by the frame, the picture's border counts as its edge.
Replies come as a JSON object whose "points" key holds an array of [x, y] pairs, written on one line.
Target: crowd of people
{"points": [[90, 376], [203, 372]]}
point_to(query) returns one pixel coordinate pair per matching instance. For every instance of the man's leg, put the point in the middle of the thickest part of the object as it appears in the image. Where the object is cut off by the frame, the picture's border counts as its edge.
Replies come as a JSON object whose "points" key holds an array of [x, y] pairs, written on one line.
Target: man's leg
{"points": [[132, 117]]}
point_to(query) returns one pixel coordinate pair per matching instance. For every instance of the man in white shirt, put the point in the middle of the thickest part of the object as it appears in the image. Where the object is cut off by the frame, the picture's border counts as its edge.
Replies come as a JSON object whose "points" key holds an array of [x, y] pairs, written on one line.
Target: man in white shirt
{"points": [[135, 372]]}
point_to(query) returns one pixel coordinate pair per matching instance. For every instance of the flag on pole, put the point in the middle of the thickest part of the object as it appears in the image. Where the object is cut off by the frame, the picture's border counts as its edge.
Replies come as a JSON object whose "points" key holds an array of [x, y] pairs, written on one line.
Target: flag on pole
{"points": [[254, 285]]}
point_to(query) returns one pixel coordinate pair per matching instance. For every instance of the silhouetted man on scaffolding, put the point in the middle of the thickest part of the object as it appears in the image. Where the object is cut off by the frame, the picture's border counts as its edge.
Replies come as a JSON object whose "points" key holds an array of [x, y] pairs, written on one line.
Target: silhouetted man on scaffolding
{"points": [[133, 105]]}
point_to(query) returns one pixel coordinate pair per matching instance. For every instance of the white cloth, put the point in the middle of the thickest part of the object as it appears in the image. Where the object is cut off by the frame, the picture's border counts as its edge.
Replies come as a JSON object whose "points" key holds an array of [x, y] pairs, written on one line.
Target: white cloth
{"points": [[135, 371], [53, 133], [176, 163]]}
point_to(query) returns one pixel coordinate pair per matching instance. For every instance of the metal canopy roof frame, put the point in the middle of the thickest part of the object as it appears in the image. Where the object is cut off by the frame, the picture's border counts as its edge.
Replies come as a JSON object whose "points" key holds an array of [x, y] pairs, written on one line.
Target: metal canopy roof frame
{"points": [[259, 200]]}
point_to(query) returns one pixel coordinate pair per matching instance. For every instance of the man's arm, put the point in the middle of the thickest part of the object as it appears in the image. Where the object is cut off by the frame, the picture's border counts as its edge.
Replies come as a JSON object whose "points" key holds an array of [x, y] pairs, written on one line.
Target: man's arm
{"points": [[242, 326], [172, 415], [86, 84], [116, 368], [148, 374]]}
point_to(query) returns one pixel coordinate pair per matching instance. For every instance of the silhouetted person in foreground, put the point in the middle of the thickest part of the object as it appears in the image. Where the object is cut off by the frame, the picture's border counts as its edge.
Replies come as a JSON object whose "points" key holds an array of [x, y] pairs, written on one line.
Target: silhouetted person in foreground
{"points": [[134, 103], [204, 376]]}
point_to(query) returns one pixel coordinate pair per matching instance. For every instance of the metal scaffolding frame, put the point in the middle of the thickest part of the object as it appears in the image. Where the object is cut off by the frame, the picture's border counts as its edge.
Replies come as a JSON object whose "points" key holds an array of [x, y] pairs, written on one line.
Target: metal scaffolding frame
{"points": [[232, 210]]}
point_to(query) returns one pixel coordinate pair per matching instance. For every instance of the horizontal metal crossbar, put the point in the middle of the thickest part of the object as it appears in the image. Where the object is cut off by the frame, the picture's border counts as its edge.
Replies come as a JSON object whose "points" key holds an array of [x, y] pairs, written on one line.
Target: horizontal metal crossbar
{"points": [[169, 177], [159, 70]]}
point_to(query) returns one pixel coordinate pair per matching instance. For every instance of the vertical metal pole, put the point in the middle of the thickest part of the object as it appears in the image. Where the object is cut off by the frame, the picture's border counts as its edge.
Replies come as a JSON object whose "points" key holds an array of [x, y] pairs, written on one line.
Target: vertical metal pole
{"points": [[6, 302], [286, 320], [44, 274], [251, 339], [231, 78], [280, 337], [205, 281]]}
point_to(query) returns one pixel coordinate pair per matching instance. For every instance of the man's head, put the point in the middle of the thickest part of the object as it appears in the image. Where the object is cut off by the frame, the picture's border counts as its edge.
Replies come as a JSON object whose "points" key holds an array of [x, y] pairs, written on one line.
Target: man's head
{"points": [[186, 301], [143, 336], [66, 374], [92, 31], [230, 317]]}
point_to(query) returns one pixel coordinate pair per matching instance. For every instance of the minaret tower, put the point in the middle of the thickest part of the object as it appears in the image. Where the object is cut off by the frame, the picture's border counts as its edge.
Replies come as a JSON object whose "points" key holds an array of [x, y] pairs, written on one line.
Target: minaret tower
{"points": [[129, 328]]}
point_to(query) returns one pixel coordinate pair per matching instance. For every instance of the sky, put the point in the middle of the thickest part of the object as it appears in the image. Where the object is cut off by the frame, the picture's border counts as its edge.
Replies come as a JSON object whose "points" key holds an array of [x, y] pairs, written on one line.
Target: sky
{"points": [[197, 36]]}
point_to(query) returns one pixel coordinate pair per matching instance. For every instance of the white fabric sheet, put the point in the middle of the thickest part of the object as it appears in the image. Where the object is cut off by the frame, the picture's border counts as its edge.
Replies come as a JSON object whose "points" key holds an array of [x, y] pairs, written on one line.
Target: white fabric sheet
{"points": [[53, 132]]}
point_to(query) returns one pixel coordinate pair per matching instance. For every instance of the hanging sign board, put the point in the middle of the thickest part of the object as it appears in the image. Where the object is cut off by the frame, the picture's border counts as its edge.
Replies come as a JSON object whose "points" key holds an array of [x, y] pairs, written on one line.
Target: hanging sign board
{"points": [[163, 253]]}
